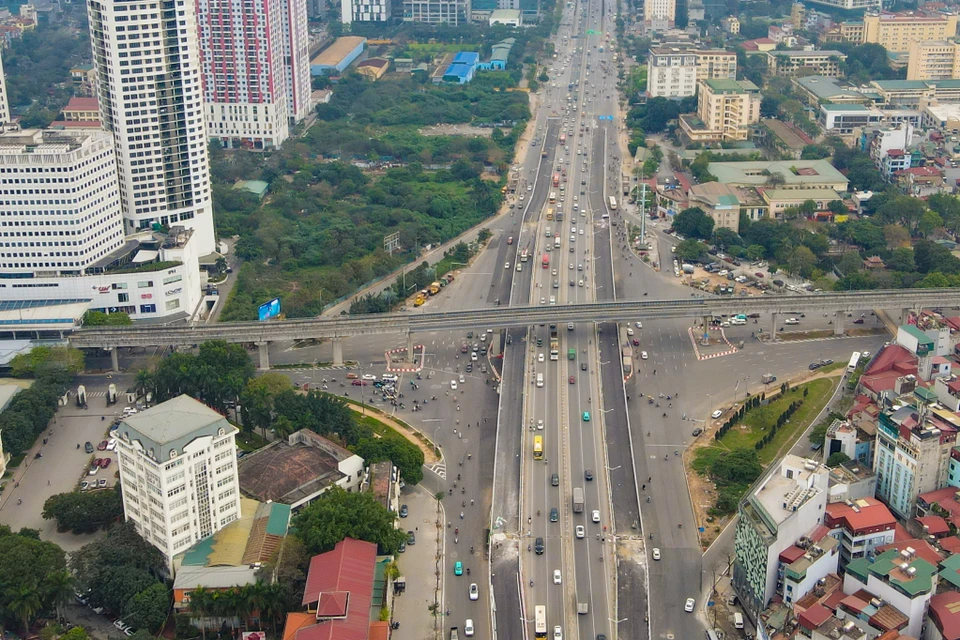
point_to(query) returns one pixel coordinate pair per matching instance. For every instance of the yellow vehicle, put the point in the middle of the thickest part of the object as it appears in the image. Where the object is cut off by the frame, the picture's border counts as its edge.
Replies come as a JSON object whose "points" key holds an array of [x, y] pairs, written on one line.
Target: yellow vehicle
{"points": [[549, 213], [538, 447], [434, 288], [419, 300]]}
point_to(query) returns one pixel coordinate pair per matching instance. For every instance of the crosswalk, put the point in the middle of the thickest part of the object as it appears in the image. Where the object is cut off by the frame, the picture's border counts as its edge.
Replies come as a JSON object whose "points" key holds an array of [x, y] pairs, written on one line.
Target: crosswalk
{"points": [[439, 468]]}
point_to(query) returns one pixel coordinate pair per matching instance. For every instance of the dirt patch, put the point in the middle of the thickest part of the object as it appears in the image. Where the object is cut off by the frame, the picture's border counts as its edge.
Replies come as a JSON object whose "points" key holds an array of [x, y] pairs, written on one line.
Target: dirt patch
{"points": [[703, 491], [457, 130]]}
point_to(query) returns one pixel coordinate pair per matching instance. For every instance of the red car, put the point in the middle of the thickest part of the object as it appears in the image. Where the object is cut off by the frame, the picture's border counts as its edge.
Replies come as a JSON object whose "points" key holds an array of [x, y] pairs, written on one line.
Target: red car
{"points": [[98, 462], [758, 274], [359, 383], [573, 380], [463, 348], [636, 342], [105, 462], [102, 446]]}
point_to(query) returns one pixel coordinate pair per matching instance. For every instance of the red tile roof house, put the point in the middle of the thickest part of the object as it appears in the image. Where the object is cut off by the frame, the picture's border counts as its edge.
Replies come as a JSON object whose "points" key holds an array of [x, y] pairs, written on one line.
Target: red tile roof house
{"points": [[892, 363], [944, 615], [338, 596]]}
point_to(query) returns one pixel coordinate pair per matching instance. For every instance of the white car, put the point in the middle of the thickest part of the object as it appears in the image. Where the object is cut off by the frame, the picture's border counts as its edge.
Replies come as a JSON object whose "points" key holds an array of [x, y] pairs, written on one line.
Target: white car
{"points": [[595, 516], [638, 325], [539, 425], [629, 331], [580, 531], [540, 358], [791, 321], [556, 576], [716, 414], [369, 377], [474, 591], [468, 628], [557, 633], [688, 606], [473, 357], [643, 355], [506, 266], [462, 380], [111, 444], [453, 385], [864, 355], [656, 553]]}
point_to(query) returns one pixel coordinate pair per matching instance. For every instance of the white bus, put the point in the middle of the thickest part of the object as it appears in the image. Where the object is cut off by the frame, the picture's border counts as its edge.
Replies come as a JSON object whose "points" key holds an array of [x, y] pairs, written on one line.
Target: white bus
{"points": [[540, 621], [854, 361], [612, 202]]}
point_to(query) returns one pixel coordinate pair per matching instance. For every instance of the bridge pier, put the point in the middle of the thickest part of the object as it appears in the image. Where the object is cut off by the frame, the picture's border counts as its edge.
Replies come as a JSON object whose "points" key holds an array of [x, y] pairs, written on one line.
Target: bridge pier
{"points": [[264, 348], [410, 346], [838, 319], [337, 352], [115, 360], [773, 325], [905, 314]]}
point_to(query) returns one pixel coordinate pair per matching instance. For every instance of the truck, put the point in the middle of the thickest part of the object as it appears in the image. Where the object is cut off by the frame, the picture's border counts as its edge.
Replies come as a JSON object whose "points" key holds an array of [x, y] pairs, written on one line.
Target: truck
{"points": [[554, 345], [767, 378], [577, 500], [111, 394], [571, 354], [583, 608], [454, 633], [687, 268]]}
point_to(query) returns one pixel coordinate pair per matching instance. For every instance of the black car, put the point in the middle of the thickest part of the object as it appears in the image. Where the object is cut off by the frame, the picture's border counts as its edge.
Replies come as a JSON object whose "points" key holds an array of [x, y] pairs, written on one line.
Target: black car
{"points": [[88, 447], [697, 432], [555, 480], [583, 366], [403, 511], [814, 366], [588, 474], [538, 546], [411, 538]]}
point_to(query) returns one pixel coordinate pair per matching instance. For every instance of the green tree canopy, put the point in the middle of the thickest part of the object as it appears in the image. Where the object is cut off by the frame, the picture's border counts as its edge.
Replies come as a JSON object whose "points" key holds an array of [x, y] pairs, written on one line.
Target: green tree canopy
{"points": [[84, 512], [338, 514], [837, 459], [694, 223]]}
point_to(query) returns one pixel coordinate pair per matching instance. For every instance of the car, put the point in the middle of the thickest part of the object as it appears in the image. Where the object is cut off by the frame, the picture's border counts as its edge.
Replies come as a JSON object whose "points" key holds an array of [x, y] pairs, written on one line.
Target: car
{"points": [[791, 321], [826, 362], [595, 516], [580, 267], [858, 321], [404, 512], [468, 628], [639, 325], [629, 331], [473, 357], [554, 514], [538, 546], [506, 265], [656, 553], [588, 474], [556, 576], [540, 357], [635, 342], [716, 414], [102, 446], [112, 444], [359, 383], [865, 354], [474, 591], [643, 355], [462, 379], [813, 366], [105, 462], [697, 432], [583, 366], [586, 416], [402, 547], [570, 325], [97, 610], [411, 538], [469, 367], [557, 633], [580, 532], [88, 447], [580, 283], [572, 283], [555, 480], [572, 380], [84, 485], [458, 568], [554, 272], [453, 385], [369, 376], [688, 605], [101, 483], [539, 425], [119, 624]]}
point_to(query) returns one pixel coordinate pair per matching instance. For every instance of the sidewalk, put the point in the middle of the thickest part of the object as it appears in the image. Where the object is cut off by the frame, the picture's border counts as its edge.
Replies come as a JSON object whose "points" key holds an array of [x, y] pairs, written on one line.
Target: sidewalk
{"points": [[417, 564]]}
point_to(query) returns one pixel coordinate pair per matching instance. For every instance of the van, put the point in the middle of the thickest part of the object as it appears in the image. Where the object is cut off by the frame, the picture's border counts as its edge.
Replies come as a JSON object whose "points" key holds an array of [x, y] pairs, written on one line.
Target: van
{"points": [[738, 620], [388, 377], [539, 379], [553, 299]]}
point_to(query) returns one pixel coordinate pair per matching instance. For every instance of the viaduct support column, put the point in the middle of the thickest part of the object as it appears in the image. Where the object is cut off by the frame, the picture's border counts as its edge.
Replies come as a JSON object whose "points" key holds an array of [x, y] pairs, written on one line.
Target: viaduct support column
{"points": [[410, 346], [264, 348], [337, 352], [115, 360], [838, 319], [904, 315], [773, 325]]}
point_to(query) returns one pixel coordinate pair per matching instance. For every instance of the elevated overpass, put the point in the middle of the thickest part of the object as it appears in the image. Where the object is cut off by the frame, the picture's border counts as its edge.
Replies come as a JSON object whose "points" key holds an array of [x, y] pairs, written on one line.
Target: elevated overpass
{"points": [[501, 317]]}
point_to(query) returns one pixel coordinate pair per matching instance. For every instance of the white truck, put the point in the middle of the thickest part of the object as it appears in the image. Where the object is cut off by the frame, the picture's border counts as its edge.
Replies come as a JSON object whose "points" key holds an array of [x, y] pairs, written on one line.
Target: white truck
{"points": [[577, 500]]}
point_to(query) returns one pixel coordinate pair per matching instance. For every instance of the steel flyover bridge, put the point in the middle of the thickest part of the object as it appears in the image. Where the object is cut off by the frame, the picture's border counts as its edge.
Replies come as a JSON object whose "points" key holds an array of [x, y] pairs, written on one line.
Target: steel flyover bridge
{"points": [[501, 317]]}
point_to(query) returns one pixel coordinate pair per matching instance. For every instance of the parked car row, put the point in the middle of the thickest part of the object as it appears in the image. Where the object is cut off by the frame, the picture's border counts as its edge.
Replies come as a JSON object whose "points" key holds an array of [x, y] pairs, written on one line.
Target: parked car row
{"points": [[127, 629]]}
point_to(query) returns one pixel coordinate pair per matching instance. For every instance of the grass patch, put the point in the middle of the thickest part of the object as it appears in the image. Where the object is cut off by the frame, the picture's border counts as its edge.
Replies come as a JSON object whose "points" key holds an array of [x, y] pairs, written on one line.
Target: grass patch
{"points": [[250, 441]]}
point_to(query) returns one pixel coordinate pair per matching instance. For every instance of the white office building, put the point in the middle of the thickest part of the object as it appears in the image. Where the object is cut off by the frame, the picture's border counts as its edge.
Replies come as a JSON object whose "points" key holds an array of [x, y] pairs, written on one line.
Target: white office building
{"points": [[367, 10], [148, 72], [178, 470], [671, 72], [660, 10], [296, 57]]}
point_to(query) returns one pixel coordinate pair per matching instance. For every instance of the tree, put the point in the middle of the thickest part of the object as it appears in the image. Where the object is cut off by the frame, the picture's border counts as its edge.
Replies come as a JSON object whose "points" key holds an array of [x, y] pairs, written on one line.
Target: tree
{"points": [[741, 465], [148, 609], [694, 223], [84, 512], [338, 514], [58, 590], [755, 252], [850, 262], [903, 210], [690, 250], [837, 208], [24, 602], [901, 260], [76, 633], [25, 564], [258, 399], [812, 151], [42, 359], [837, 459], [895, 235], [930, 222], [802, 261]]}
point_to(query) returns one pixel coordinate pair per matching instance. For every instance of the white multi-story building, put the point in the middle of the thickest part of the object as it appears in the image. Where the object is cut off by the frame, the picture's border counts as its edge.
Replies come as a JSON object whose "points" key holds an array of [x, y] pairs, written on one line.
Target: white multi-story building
{"points": [[296, 56], [655, 10], [178, 470], [244, 88], [366, 10], [4, 103], [671, 72], [453, 13], [785, 506], [150, 93]]}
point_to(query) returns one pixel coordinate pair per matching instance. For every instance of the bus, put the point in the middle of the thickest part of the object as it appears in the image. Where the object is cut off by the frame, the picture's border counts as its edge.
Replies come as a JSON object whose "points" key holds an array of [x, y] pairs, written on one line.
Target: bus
{"points": [[553, 197], [538, 447], [549, 213], [612, 202], [546, 261], [854, 361], [563, 138], [540, 621], [556, 179]]}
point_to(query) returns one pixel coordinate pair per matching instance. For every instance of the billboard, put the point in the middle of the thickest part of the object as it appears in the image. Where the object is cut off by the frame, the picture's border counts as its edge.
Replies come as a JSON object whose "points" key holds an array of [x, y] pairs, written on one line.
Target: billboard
{"points": [[269, 310]]}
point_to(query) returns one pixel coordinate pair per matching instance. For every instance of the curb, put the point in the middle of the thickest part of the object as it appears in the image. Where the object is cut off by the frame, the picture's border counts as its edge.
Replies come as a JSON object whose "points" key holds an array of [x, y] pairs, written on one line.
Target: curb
{"points": [[416, 369], [723, 335]]}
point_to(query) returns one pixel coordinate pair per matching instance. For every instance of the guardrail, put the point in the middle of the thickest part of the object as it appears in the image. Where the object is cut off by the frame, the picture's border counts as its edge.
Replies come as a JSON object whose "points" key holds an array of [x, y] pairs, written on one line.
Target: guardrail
{"points": [[500, 317]]}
